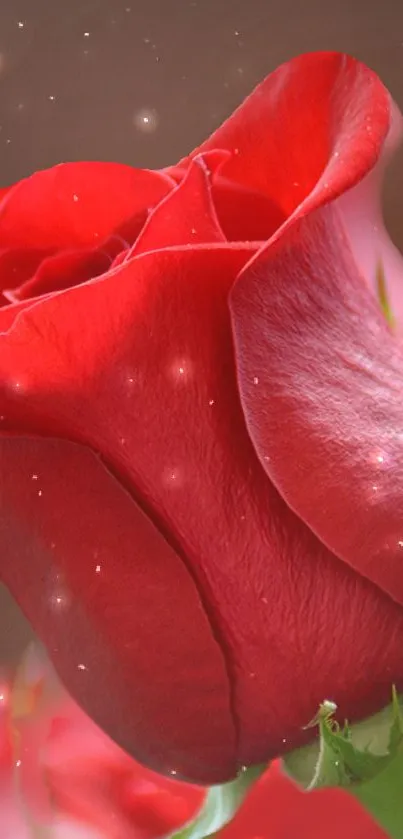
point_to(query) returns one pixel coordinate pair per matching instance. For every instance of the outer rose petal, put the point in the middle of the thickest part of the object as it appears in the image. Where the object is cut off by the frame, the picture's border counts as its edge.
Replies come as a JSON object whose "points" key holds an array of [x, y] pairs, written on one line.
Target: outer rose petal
{"points": [[118, 608], [153, 389], [321, 382], [312, 129], [76, 204], [276, 809]]}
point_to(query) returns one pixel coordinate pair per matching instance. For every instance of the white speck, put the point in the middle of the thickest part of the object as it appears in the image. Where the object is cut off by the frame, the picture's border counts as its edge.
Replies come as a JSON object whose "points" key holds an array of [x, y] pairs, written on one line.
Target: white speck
{"points": [[172, 478], [173, 772], [400, 543], [146, 120], [75, 197], [21, 24], [2, 697], [244, 768], [18, 763], [284, 740], [97, 569], [181, 370], [236, 151], [40, 492], [81, 667], [211, 401], [255, 380], [375, 487], [236, 32], [86, 34], [52, 98], [34, 477]]}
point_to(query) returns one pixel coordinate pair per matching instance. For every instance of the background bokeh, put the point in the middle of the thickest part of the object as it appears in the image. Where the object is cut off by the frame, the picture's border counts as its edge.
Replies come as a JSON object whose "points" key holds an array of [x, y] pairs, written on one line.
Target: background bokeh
{"points": [[143, 81]]}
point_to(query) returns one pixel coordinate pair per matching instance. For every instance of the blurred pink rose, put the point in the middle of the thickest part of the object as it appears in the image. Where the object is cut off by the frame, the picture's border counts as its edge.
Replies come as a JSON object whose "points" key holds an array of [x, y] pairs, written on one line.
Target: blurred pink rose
{"points": [[60, 774]]}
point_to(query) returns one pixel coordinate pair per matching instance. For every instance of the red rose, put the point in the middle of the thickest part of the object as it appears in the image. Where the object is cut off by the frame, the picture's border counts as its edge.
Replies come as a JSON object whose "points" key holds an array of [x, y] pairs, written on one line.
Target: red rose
{"points": [[202, 447]]}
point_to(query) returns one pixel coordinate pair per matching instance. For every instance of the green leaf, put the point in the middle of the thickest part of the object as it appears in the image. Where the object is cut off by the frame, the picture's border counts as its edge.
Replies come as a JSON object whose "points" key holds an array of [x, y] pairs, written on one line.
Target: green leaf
{"points": [[366, 759], [220, 805]]}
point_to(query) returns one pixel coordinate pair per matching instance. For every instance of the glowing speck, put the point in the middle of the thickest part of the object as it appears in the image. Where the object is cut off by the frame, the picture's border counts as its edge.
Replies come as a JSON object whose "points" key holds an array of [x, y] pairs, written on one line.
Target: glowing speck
{"points": [[375, 487], [173, 772], [146, 120], [34, 477], [21, 24], [81, 667], [211, 402], [86, 34], [40, 492], [255, 380], [52, 98], [181, 370], [18, 763], [97, 569], [75, 197], [400, 543]]}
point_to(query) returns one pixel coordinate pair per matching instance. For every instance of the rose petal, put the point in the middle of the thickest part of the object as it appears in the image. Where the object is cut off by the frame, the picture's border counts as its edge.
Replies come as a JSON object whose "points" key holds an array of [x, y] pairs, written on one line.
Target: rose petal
{"points": [[187, 215], [122, 634], [276, 809], [321, 382], [314, 125], [17, 265], [76, 204], [149, 381], [62, 271]]}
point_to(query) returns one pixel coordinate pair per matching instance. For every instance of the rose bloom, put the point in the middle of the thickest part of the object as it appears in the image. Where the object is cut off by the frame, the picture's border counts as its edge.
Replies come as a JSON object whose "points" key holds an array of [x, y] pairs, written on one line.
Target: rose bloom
{"points": [[61, 777], [202, 427]]}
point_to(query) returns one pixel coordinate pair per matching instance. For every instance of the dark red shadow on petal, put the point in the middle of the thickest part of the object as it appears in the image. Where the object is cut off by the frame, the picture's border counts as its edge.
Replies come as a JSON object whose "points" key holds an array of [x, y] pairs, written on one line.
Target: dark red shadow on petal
{"points": [[64, 270]]}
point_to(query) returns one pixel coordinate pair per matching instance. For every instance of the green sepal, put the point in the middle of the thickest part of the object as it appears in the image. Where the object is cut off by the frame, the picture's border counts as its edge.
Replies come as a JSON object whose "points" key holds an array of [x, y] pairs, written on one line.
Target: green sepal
{"points": [[383, 295], [220, 805], [366, 759]]}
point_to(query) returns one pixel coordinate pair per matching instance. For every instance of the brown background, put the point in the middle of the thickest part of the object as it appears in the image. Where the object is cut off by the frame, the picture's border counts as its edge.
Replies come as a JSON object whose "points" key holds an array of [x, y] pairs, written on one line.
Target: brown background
{"points": [[77, 78]]}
